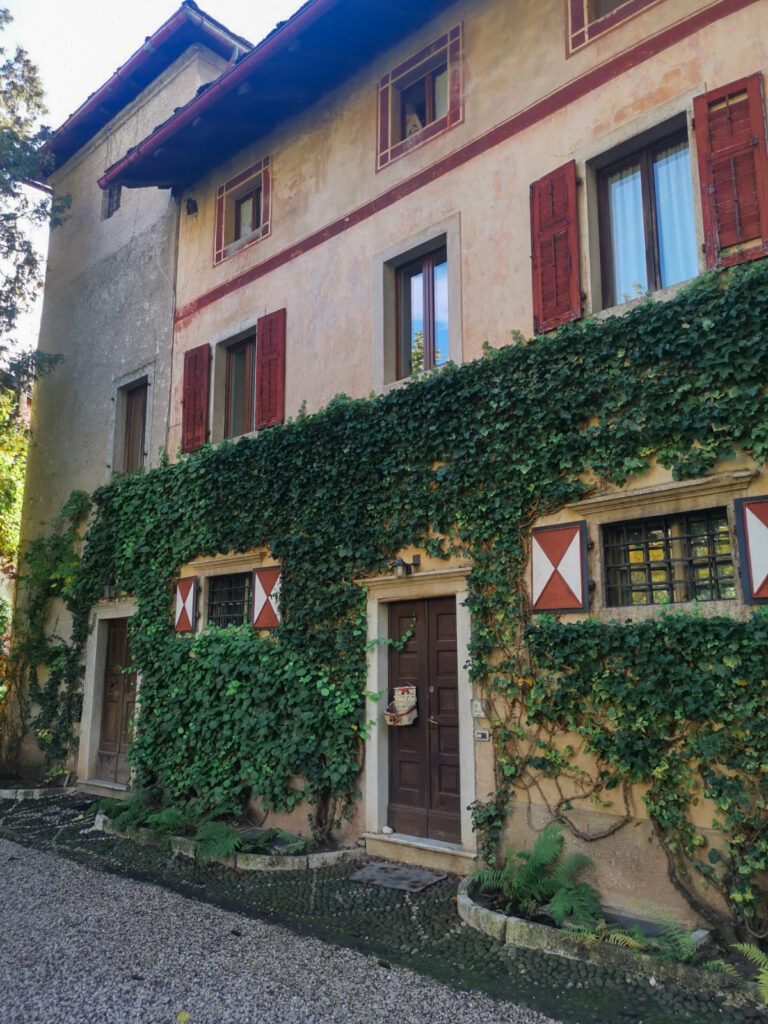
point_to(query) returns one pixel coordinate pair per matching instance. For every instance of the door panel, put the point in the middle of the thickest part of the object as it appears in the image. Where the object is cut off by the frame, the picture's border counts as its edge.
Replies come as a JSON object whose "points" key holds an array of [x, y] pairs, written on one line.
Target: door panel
{"points": [[425, 797], [118, 708]]}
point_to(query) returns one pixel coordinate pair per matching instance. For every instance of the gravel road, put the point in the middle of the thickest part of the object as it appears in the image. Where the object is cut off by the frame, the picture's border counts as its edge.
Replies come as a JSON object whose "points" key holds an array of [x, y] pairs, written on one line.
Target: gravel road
{"points": [[81, 947]]}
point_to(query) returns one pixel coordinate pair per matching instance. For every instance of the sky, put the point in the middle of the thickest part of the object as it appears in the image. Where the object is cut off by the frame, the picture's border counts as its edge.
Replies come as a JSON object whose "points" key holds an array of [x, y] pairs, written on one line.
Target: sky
{"points": [[78, 44]]}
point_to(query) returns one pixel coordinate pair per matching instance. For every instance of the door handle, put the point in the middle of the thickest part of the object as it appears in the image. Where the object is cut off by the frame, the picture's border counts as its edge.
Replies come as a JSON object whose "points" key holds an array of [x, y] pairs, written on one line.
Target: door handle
{"points": [[432, 720]]}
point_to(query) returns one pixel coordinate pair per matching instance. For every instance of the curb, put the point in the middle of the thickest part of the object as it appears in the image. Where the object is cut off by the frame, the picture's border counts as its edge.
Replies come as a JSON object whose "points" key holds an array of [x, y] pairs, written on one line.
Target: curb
{"points": [[36, 793], [514, 931], [185, 847]]}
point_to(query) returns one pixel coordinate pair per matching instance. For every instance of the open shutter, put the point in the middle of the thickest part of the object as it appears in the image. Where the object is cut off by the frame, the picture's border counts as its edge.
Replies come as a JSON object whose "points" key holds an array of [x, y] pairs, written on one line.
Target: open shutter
{"points": [[194, 423], [555, 249], [559, 568], [733, 171], [266, 596], [185, 611], [752, 531], [270, 370]]}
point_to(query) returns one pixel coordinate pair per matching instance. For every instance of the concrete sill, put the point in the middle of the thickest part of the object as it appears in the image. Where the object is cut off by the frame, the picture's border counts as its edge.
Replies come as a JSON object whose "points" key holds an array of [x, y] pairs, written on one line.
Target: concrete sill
{"points": [[427, 853]]}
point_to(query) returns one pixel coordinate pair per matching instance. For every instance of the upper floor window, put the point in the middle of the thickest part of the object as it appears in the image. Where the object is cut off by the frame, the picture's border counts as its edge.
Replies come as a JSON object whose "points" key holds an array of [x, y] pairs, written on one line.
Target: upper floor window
{"points": [[111, 201], [135, 422], [239, 390], [669, 559], [422, 300], [242, 210], [647, 228], [421, 97], [588, 19]]}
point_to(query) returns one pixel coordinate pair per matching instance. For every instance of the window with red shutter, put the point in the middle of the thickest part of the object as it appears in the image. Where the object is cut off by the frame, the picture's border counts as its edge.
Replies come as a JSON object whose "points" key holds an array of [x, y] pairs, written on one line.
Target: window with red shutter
{"points": [[194, 425], [270, 370], [555, 249], [733, 171]]}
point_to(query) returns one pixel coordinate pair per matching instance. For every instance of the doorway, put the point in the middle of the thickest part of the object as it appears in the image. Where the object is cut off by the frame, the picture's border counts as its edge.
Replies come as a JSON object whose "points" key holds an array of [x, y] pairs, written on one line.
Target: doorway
{"points": [[118, 706], [424, 761]]}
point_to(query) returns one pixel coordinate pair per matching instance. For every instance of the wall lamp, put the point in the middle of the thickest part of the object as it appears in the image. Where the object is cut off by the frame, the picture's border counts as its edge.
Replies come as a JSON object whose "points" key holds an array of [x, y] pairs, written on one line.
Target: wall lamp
{"points": [[401, 569]]}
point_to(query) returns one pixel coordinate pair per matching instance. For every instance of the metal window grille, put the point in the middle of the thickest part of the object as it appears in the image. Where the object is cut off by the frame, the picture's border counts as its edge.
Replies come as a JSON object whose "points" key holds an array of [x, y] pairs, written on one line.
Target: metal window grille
{"points": [[229, 599], [114, 194], [669, 559]]}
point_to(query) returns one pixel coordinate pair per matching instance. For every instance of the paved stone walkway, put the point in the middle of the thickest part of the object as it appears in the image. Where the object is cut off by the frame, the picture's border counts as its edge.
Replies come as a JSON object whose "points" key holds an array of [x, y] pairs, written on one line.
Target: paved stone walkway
{"points": [[98, 945]]}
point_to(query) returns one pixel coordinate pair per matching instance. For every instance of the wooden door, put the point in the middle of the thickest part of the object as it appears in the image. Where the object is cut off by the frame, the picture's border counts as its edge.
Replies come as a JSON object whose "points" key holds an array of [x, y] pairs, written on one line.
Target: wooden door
{"points": [[424, 794], [118, 706]]}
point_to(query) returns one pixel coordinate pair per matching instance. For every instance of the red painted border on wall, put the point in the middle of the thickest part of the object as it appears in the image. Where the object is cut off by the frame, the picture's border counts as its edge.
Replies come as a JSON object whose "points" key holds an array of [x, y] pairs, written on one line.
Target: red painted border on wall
{"points": [[543, 108]]}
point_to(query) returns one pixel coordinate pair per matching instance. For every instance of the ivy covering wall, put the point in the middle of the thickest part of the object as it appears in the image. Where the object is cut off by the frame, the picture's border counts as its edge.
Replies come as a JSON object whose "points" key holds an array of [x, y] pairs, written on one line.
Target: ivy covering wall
{"points": [[460, 462]]}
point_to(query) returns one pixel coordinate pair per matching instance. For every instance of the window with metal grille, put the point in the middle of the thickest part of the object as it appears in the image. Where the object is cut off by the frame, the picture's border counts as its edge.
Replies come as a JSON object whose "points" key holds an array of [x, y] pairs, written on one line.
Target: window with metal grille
{"points": [[229, 599], [112, 199], [669, 559]]}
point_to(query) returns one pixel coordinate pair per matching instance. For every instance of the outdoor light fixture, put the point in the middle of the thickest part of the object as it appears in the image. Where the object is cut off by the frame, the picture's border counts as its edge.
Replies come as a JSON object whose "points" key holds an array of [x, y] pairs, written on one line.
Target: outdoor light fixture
{"points": [[401, 569]]}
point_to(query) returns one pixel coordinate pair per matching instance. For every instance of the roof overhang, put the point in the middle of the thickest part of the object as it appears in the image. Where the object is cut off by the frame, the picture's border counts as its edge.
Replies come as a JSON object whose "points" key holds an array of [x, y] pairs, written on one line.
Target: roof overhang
{"points": [[322, 45], [187, 26]]}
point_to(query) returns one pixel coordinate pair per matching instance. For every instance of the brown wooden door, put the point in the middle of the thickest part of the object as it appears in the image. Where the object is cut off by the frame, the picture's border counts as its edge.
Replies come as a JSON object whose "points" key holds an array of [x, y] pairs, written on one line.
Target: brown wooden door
{"points": [[118, 706], [424, 795]]}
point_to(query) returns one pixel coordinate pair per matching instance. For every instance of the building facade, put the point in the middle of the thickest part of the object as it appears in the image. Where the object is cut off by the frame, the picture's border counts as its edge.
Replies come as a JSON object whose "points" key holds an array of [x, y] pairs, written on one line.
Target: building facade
{"points": [[361, 199]]}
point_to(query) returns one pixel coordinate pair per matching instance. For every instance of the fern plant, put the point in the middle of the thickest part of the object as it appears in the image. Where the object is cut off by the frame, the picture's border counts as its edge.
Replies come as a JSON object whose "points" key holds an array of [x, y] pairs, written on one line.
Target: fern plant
{"points": [[760, 960], [541, 878], [133, 813], [675, 942], [214, 840], [167, 821], [613, 934]]}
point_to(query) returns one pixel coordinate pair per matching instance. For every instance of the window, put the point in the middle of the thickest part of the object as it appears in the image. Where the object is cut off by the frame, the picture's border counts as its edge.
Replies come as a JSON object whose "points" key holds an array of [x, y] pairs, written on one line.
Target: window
{"points": [[241, 360], [111, 201], [647, 227], [422, 302], [669, 559], [421, 97], [242, 210], [229, 599], [135, 421], [588, 19]]}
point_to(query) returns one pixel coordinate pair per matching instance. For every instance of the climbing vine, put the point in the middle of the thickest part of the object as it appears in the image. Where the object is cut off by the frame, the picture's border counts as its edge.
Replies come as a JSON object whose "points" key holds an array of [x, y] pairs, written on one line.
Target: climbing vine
{"points": [[460, 462]]}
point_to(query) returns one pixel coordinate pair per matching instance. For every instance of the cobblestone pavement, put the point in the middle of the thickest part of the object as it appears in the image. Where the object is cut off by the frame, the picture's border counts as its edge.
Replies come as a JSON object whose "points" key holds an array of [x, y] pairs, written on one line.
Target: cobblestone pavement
{"points": [[117, 952]]}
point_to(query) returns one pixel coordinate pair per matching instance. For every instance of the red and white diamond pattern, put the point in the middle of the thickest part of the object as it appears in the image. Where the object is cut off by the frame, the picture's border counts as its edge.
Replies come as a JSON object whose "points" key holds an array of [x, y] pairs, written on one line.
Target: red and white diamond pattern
{"points": [[756, 531], [557, 581], [186, 592], [266, 596]]}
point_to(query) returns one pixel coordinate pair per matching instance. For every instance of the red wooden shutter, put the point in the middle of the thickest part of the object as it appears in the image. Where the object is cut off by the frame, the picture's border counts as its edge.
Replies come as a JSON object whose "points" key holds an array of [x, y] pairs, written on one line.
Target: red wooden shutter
{"points": [[270, 370], [752, 531], [559, 568], [555, 249], [733, 171], [185, 611], [266, 597], [194, 424]]}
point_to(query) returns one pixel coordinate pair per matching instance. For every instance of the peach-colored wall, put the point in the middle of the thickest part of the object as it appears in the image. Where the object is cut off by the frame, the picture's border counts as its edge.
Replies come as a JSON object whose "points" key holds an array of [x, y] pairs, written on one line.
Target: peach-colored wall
{"points": [[323, 167]]}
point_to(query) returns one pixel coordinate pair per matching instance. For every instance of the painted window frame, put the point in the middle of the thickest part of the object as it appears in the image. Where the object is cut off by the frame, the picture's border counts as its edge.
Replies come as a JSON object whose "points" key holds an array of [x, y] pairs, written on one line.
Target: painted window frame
{"points": [[448, 49], [254, 179], [425, 265], [244, 599], [582, 28]]}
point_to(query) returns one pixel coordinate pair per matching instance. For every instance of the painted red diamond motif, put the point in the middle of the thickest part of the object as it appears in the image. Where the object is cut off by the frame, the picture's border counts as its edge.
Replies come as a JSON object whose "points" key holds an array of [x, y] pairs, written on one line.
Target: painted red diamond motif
{"points": [[756, 528], [266, 595], [556, 570]]}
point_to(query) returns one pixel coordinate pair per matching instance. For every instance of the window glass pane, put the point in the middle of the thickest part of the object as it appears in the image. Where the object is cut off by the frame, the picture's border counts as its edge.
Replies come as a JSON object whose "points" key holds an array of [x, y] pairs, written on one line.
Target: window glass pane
{"points": [[441, 312], [135, 416], [413, 302], [625, 206], [414, 107], [244, 217], [237, 387], [441, 92], [229, 599], [599, 8], [674, 215]]}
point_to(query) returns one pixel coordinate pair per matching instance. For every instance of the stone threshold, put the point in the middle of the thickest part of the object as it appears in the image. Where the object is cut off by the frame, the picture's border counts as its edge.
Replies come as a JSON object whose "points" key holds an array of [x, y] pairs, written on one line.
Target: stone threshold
{"points": [[185, 847], [103, 788], [35, 792], [515, 931], [436, 854]]}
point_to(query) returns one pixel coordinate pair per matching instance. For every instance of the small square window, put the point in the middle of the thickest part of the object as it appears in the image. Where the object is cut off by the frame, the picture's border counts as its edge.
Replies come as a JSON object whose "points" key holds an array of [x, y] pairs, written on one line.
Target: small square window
{"points": [[242, 210], [669, 559], [229, 599], [111, 201], [647, 225], [421, 98], [588, 19], [422, 302]]}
